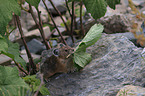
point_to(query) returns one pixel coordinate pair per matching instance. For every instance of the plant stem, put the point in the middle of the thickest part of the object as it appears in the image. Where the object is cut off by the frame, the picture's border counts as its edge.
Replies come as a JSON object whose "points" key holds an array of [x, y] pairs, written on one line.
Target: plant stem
{"points": [[72, 22], [66, 3], [22, 69], [54, 22], [60, 15], [81, 21], [33, 67], [39, 24]]}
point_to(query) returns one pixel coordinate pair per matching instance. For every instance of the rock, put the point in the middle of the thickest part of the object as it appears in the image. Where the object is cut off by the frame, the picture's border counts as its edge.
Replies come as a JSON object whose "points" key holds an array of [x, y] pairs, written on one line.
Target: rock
{"points": [[27, 20], [35, 46], [5, 60], [25, 57], [129, 35], [56, 3], [62, 10], [115, 61], [33, 34], [53, 43], [16, 34], [58, 20], [61, 29], [138, 2], [36, 32], [130, 90], [115, 24]]}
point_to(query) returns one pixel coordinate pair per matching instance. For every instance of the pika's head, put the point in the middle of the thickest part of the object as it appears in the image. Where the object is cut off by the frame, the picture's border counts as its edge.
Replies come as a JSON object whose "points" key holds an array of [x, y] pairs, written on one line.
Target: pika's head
{"points": [[63, 51]]}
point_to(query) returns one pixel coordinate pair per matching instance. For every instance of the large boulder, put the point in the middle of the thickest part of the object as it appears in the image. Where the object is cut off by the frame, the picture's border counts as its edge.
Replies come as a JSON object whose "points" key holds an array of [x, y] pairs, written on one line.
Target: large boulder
{"points": [[116, 62]]}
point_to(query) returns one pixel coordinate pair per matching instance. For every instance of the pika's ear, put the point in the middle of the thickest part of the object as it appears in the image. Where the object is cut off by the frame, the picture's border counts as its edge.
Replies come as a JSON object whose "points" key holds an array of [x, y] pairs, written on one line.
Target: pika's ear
{"points": [[56, 52], [60, 45]]}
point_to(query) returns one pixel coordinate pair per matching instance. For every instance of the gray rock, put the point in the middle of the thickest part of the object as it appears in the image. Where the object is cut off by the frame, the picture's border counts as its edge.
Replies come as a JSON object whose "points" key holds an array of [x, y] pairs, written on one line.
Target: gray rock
{"points": [[35, 46], [117, 23], [130, 90], [56, 3], [25, 57], [62, 10], [5, 60], [129, 35], [116, 62]]}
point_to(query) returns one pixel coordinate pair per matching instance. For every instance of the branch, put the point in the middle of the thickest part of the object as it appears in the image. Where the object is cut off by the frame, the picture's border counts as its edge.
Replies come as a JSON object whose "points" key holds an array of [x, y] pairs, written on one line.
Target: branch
{"points": [[59, 15], [23, 70], [39, 24], [33, 67], [54, 22], [72, 23], [66, 3], [81, 21]]}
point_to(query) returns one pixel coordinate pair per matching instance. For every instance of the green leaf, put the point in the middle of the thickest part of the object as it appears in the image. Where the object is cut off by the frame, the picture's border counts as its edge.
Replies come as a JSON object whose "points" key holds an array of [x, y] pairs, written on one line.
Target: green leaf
{"points": [[12, 51], [97, 8], [34, 3], [112, 3], [35, 82], [3, 44], [82, 58], [44, 90], [91, 37], [10, 82], [7, 7]]}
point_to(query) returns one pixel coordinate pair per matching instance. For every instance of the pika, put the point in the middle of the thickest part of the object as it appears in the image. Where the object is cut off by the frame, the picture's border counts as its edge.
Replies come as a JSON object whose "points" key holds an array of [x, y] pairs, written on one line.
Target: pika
{"points": [[56, 60]]}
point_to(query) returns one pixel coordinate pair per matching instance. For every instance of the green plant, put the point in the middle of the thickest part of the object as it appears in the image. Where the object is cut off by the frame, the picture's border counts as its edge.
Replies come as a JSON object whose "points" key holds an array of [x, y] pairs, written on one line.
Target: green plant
{"points": [[10, 82], [10, 8], [34, 83], [82, 58]]}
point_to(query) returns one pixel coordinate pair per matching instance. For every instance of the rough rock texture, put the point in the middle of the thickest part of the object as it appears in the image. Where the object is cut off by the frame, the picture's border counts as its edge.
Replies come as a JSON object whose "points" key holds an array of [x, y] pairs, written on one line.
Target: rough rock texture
{"points": [[130, 90], [116, 62], [115, 24]]}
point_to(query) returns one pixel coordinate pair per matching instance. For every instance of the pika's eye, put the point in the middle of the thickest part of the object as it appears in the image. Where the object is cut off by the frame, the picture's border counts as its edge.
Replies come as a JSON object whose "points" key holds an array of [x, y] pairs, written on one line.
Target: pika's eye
{"points": [[56, 52]]}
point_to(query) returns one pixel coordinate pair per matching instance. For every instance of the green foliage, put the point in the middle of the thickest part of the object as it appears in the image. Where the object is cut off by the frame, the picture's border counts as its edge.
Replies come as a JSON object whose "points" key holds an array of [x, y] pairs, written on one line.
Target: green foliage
{"points": [[11, 50], [10, 82], [35, 83], [34, 3], [97, 8], [112, 3], [80, 57], [3, 43], [7, 7]]}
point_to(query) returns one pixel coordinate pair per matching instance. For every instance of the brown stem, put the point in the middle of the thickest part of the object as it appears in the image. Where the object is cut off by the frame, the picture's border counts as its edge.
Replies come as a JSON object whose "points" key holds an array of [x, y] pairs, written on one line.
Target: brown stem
{"points": [[66, 3], [81, 21], [39, 24], [72, 22], [54, 22], [33, 67], [59, 15], [22, 69]]}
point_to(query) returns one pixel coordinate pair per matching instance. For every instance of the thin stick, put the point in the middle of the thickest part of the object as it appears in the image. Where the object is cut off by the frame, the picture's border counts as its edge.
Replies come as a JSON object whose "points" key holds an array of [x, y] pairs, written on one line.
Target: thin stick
{"points": [[39, 24], [33, 67], [59, 15], [22, 69], [66, 3], [72, 22], [54, 22], [81, 21]]}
